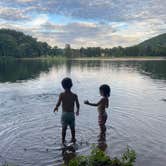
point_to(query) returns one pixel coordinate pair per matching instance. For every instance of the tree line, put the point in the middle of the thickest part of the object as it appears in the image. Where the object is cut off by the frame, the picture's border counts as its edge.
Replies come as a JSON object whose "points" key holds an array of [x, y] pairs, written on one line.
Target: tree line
{"points": [[17, 44]]}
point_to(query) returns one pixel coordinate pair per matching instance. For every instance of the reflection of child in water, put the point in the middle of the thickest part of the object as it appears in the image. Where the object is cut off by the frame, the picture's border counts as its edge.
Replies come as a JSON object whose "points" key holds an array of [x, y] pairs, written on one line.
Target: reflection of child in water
{"points": [[68, 100], [102, 105]]}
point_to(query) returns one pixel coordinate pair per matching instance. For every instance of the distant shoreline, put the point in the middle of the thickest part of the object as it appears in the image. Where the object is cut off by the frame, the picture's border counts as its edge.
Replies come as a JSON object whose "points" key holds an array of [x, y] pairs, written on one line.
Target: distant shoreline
{"points": [[146, 58], [99, 58], [123, 58]]}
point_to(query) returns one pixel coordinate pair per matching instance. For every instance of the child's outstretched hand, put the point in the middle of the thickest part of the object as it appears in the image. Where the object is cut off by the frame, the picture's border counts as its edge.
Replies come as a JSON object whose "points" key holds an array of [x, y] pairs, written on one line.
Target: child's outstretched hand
{"points": [[86, 102], [55, 109]]}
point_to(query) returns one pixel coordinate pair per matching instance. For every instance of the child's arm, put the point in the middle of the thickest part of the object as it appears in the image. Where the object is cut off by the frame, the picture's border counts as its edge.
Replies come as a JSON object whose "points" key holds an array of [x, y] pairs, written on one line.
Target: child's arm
{"points": [[58, 103], [93, 104], [77, 105]]}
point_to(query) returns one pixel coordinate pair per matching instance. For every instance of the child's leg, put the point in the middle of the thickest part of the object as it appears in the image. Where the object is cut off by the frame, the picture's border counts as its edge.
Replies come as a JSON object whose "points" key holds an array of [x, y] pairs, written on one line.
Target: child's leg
{"points": [[102, 132], [102, 121], [73, 134], [64, 126], [64, 134], [102, 129], [72, 127]]}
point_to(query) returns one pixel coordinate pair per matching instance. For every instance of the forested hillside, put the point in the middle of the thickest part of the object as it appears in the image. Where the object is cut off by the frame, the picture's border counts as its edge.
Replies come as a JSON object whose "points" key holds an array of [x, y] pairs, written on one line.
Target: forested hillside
{"points": [[17, 44], [155, 46]]}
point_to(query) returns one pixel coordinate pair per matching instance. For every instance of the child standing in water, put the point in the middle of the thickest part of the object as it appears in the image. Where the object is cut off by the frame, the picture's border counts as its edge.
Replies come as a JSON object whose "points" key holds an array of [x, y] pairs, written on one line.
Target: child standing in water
{"points": [[101, 106], [68, 100]]}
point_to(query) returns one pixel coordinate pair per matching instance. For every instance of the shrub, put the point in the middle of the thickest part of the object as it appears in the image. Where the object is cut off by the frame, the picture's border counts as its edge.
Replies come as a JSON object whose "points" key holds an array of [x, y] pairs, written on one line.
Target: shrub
{"points": [[99, 158]]}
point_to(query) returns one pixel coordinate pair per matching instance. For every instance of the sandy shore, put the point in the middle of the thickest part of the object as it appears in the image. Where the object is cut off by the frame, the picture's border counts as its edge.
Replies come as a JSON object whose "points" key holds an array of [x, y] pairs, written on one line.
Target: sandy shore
{"points": [[124, 59]]}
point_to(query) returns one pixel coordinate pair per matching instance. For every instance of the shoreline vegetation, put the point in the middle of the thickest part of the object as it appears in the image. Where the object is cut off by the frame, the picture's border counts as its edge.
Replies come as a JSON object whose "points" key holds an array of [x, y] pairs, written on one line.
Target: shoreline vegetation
{"points": [[61, 58], [18, 45], [98, 157]]}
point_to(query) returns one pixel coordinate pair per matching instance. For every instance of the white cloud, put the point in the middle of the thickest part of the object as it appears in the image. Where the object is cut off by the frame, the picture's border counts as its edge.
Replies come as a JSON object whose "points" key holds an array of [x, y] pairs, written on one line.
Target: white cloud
{"points": [[38, 21], [23, 1], [10, 13], [104, 23]]}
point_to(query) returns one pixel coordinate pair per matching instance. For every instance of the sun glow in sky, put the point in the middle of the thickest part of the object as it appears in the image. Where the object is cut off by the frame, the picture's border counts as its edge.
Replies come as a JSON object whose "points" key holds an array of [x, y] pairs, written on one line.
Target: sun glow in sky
{"points": [[104, 23]]}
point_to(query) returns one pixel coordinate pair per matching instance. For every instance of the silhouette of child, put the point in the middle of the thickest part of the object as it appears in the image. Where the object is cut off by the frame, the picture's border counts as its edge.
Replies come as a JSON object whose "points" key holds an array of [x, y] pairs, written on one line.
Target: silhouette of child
{"points": [[102, 105], [68, 100]]}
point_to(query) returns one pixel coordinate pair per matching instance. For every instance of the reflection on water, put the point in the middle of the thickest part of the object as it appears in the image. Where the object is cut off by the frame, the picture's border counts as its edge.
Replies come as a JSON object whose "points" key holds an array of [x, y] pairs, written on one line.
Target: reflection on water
{"points": [[68, 156], [156, 69], [12, 71], [30, 132]]}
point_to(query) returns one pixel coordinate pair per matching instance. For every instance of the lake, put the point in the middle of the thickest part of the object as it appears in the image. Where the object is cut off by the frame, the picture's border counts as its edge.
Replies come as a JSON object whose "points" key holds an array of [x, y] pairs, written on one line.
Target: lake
{"points": [[30, 133]]}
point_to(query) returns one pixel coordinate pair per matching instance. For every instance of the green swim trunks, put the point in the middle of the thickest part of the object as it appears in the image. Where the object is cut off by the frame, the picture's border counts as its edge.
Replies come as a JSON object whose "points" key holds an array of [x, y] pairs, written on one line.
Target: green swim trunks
{"points": [[68, 118]]}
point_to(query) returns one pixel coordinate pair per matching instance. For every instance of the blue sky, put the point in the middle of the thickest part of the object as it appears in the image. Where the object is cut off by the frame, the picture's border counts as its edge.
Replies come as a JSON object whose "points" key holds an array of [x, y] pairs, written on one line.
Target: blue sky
{"points": [[104, 23]]}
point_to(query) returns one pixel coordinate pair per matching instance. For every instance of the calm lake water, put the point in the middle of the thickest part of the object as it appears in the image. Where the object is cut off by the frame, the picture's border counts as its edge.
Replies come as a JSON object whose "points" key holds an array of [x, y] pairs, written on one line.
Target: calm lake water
{"points": [[30, 133]]}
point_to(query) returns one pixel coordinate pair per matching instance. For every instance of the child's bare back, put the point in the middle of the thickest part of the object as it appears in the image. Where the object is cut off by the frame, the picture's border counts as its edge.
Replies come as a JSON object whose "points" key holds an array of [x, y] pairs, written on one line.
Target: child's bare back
{"points": [[68, 100]]}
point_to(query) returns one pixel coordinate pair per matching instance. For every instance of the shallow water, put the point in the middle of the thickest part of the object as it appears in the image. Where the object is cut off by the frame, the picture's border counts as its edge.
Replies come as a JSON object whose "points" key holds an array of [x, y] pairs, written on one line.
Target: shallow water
{"points": [[30, 133]]}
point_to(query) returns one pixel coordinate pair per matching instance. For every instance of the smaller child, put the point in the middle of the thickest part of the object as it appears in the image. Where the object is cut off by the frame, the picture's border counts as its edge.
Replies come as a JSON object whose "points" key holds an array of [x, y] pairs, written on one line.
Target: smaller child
{"points": [[68, 100], [102, 105]]}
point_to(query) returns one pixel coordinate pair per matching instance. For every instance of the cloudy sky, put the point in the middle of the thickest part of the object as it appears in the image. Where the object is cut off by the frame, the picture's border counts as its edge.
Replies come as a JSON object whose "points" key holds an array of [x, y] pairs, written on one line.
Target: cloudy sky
{"points": [[104, 23]]}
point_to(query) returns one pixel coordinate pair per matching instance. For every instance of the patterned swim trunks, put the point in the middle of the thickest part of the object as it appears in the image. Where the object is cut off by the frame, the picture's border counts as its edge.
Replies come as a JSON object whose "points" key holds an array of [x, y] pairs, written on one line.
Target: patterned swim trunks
{"points": [[68, 118]]}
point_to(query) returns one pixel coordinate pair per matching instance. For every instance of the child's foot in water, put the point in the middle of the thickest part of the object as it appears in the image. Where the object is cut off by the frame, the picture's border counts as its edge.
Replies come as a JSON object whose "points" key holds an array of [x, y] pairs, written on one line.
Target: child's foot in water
{"points": [[63, 142], [73, 140]]}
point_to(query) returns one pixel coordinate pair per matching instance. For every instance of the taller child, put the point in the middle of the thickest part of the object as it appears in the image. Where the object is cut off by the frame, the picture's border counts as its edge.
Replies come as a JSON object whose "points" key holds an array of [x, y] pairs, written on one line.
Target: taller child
{"points": [[68, 100]]}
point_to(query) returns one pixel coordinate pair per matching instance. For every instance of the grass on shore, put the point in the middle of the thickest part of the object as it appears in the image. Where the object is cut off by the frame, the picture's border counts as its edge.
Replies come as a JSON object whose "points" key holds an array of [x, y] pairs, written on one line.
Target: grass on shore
{"points": [[99, 158]]}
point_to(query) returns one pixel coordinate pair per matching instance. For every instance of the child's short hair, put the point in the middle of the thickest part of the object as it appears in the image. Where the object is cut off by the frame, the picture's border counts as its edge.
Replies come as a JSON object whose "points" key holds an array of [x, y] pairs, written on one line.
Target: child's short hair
{"points": [[105, 89], [67, 83]]}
